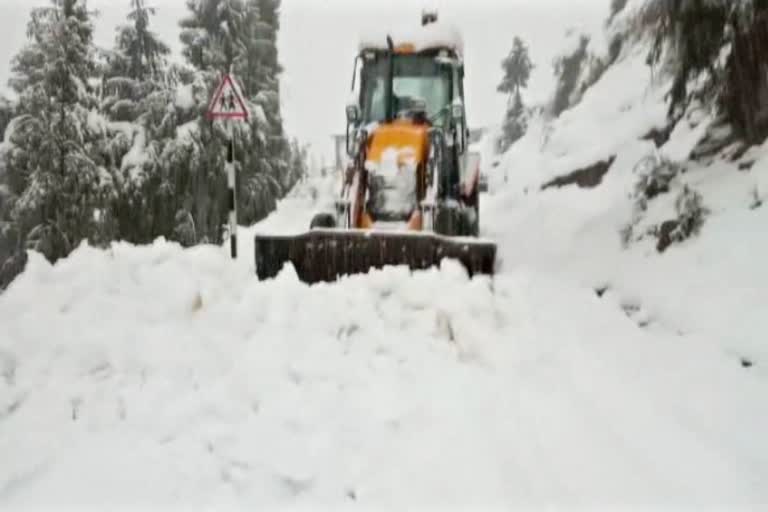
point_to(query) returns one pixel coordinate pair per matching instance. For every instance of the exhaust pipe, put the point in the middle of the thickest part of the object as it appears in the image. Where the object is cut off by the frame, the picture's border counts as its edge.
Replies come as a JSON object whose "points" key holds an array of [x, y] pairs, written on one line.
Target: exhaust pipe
{"points": [[390, 78], [428, 17]]}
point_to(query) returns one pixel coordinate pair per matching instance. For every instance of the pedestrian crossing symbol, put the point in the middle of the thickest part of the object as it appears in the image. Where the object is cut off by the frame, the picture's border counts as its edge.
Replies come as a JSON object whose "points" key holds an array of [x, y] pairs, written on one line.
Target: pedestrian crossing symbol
{"points": [[227, 102]]}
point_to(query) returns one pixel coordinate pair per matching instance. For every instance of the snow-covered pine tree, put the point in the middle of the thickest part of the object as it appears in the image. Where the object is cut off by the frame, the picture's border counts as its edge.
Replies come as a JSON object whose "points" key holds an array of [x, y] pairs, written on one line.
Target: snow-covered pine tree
{"points": [[54, 151], [278, 146], [720, 46], [8, 235], [210, 33], [139, 93], [7, 112], [515, 122], [517, 68], [134, 67], [267, 178], [7, 197], [568, 69]]}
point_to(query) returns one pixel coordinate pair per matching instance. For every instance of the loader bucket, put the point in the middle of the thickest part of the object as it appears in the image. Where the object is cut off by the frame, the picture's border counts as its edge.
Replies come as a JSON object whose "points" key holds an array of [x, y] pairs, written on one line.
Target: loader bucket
{"points": [[326, 254]]}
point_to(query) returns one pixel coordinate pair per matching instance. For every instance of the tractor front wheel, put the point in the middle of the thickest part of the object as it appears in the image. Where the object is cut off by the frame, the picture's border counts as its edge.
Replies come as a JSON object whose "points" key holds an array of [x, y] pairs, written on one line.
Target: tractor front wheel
{"points": [[322, 220]]}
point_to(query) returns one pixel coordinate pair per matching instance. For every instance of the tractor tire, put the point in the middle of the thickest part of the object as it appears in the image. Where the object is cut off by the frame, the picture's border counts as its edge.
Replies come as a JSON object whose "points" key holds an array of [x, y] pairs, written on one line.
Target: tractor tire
{"points": [[322, 220], [457, 221], [472, 215], [446, 221], [475, 231]]}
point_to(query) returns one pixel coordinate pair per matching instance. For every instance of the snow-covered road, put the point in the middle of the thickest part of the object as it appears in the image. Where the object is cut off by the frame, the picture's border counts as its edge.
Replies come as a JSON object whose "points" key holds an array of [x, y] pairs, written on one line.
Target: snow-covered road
{"points": [[168, 378]]}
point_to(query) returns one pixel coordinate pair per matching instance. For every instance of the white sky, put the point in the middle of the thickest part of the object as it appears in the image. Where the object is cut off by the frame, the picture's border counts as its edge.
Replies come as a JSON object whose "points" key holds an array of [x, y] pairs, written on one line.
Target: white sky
{"points": [[318, 40]]}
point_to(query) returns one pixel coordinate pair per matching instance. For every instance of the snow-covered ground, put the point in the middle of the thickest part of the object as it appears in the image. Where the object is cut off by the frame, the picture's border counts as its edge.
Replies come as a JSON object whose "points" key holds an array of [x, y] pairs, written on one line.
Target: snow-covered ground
{"points": [[157, 377], [167, 378]]}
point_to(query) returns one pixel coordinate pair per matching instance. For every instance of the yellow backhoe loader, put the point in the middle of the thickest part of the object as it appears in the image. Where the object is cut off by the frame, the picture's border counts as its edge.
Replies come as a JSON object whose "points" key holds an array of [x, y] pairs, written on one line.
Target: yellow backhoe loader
{"points": [[409, 195]]}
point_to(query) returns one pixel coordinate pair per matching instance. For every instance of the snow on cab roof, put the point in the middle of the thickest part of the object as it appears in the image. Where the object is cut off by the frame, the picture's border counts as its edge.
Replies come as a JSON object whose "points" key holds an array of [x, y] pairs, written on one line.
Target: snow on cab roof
{"points": [[433, 35]]}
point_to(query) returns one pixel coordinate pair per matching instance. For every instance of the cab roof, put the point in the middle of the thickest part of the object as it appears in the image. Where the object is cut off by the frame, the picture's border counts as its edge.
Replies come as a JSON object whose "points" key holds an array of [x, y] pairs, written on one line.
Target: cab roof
{"points": [[416, 39]]}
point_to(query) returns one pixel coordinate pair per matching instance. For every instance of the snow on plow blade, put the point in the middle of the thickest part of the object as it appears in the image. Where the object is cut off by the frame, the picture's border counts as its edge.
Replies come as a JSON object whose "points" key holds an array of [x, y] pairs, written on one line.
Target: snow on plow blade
{"points": [[326, 254]]}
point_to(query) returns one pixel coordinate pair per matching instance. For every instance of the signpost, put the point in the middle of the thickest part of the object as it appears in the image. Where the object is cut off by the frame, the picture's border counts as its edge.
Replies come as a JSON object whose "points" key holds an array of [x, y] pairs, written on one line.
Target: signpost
{"points": [[228, 105]]}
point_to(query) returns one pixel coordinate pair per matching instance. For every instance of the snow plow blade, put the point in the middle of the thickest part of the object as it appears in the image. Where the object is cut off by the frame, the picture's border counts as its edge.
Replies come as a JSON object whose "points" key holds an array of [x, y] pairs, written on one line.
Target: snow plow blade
{"points": [[323, 255]]}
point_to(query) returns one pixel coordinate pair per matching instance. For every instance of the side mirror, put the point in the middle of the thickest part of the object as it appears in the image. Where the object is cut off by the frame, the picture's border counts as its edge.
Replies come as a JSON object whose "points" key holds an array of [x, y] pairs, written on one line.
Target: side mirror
{"points": [[457, 116], [353, 113], [457, 111], [350, 140]]}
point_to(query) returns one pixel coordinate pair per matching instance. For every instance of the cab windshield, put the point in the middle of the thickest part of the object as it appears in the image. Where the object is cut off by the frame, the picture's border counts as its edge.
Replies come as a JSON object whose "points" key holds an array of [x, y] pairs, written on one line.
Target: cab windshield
{"points": [[415, 77]]}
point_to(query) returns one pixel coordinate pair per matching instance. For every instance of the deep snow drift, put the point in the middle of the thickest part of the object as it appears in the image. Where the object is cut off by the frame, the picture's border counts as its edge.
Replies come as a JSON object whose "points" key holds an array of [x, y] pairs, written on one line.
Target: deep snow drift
{"points": [[161, 377]]}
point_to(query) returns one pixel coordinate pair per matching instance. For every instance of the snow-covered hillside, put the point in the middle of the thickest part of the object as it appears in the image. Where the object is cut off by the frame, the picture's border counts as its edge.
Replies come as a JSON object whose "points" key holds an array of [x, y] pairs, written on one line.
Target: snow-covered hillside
{"points": [[713, 286], [584, 374]]}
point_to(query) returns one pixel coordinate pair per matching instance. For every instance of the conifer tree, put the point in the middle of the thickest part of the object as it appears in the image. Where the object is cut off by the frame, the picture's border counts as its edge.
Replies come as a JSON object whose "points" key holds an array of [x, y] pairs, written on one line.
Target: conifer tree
{"points": [[135, 66], [140, 88], [722, 45], [54, 151], [517, 68], [515, 124]]}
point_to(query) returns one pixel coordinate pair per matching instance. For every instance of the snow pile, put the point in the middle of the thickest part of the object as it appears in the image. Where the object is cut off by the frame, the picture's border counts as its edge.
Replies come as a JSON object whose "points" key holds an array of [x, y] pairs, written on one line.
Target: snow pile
{"points": [[171, 378], [488, 148], [314, 194]]}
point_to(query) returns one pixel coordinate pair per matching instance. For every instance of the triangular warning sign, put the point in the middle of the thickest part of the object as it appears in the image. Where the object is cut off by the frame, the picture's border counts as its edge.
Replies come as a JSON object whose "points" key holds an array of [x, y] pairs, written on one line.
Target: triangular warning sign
{"points": [[227, 102]]}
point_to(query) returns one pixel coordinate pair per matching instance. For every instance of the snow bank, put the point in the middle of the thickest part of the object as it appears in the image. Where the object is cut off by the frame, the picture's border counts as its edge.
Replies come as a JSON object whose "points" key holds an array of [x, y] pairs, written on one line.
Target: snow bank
{"points": [[315, 194]]}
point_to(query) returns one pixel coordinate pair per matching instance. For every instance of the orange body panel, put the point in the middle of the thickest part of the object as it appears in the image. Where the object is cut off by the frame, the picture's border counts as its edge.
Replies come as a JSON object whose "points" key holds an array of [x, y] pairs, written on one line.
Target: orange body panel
{"points": [[366, 222], [405, 49], [416, 223], [399, 134]]}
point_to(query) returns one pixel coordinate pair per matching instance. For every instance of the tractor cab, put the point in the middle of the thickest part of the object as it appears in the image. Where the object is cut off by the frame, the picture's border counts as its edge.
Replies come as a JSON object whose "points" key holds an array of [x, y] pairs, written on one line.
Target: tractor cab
{"points": [[416, 76], [421, 88]]}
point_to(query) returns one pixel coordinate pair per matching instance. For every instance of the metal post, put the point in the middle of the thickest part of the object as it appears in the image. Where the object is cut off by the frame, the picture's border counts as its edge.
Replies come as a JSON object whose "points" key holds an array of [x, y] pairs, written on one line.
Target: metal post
{"points": [[232, 196]]}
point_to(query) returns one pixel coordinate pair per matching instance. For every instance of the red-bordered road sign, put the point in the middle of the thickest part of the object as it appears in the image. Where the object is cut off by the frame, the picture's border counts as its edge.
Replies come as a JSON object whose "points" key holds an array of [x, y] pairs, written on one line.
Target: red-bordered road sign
{"points": [[227, 102]]}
